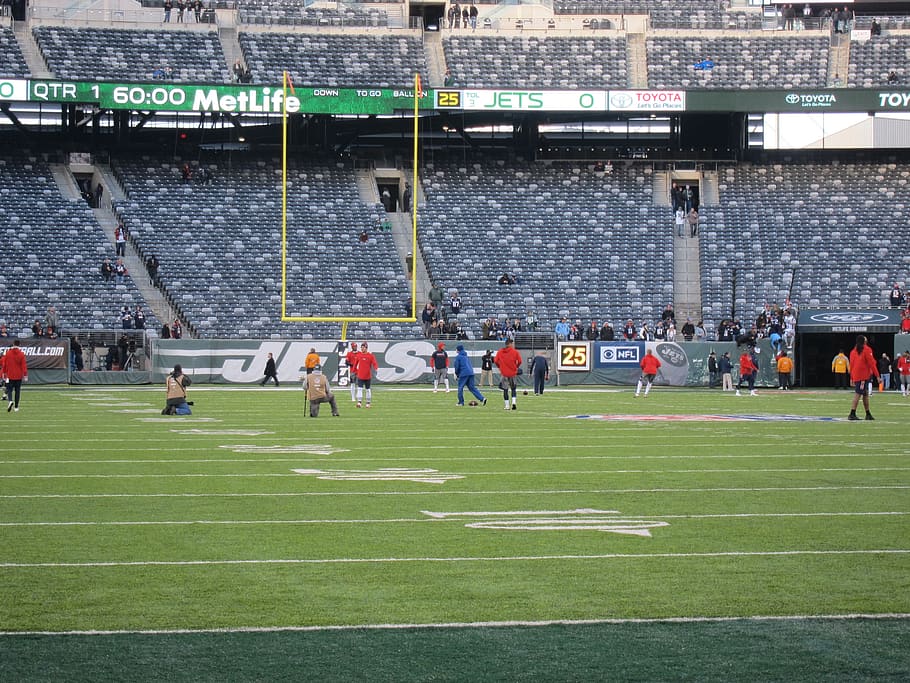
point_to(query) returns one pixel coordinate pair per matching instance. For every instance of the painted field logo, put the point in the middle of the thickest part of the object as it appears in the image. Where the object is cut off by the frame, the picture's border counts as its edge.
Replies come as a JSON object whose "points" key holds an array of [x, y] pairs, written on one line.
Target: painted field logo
{"points": [[420, 476], [580, 519], [707, 418]]}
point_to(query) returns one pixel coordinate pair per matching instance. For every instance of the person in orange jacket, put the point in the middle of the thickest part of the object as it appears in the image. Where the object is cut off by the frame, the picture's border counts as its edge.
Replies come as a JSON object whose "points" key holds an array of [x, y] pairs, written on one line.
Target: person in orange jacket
{"points": [[784, 369], [747, 371], [650, 364], [508, 360], [14, 368], [862, 369]]}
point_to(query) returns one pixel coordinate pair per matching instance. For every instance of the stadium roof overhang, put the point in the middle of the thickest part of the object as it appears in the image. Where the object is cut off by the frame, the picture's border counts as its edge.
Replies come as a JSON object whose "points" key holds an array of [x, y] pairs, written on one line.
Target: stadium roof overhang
{"points": [[827, 321]]}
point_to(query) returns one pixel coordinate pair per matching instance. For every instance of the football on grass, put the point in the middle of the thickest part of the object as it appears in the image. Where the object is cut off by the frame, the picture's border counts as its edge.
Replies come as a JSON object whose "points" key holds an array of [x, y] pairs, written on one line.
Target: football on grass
{"points": [[472, 403]]}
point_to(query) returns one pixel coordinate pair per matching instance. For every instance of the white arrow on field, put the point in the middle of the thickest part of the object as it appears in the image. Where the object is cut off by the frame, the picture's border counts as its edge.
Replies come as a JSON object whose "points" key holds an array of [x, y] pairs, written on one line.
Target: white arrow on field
{"points": [[580, 519]]}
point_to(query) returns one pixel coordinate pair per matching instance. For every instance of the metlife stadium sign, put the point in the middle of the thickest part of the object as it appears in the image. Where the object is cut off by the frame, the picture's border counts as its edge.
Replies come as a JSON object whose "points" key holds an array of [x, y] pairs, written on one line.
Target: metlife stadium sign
{"points": [[834, 321], [272, 99]]}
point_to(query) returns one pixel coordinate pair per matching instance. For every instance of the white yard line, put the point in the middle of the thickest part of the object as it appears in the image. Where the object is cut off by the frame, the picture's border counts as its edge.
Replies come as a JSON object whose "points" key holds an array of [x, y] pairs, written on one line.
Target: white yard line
{"points": [[543, 473], [454, 517], [470, 624], [533, 492], [501, 558]]}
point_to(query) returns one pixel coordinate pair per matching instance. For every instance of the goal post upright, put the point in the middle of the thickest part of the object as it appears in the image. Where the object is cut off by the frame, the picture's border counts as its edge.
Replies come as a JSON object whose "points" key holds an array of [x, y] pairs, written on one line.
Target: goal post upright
{"points": [[287, 83]]}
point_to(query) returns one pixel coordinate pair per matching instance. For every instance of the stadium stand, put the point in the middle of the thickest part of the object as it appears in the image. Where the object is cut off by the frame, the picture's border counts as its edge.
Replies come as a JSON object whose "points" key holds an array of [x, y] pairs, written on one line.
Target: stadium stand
{"points": [[12, 63], [872, 61], [52, 251], [498, 61], [754, 62], [831, 228], [580, 245], [123, 54], [317, 59], [294, 13], [222, 242]]}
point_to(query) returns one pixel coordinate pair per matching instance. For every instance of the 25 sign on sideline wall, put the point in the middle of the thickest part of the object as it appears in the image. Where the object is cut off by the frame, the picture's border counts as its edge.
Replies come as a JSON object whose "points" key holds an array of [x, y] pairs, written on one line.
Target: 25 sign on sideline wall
{"points": [[573, 356]]}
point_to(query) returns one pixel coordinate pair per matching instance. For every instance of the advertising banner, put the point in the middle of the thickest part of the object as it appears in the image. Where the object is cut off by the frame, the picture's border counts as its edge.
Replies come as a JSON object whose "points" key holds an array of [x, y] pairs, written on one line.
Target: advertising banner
{"points": [[228, 361], [47, 359]]}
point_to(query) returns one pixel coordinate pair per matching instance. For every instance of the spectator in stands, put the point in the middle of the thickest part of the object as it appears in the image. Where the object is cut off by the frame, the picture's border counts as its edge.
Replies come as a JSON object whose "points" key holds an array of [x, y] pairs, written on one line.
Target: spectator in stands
{"points": [[152, 266], [788, 13], [628, 331], [427, 318], [455, 303], [465, 17], [51, 319], [237, 70], [450, 15], [107, 270], [644, 332], [186, 172], [99, 193], [671, 332], [701, 334], [692, 220], [892, 77], [406, 197], [168, 6], [126, 318], [606, 332], [875, 29], [364, 236], [472, 16], [896, 296], [138, 318], [197, 10], [688, 330], [531, 323], [562, 329], [680, 222], [120, 238], [120, 271], [436, 295], [180, 9], [37, 330], [507, 279], [165, 331], [176, 329], [593, 332], [3, 331]]}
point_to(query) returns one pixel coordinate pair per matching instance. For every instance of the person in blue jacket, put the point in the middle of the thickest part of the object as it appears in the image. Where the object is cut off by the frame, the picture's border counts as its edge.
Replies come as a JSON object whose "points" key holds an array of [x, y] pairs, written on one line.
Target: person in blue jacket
{"points": [[540, 370], [465, 374]]}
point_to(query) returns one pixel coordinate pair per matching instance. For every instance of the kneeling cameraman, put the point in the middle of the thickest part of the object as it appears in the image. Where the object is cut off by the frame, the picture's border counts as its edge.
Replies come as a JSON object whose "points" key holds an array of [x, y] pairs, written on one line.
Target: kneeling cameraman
{"points": [[177, 383]]}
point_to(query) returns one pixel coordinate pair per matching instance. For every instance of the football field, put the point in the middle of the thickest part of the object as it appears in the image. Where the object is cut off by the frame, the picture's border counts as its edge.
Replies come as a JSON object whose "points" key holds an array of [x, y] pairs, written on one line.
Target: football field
{"points": [[588, 535]]}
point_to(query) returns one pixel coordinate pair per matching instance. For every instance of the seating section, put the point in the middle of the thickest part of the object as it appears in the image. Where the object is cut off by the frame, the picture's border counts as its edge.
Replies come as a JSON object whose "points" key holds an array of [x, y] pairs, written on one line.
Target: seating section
{"points": [[536, 62], [790, 61], [12, 63], [334, 59], [121, 54], [221, 245], [580, 244], [833, 229], [873, 60], [293, 13], [52, 250]]}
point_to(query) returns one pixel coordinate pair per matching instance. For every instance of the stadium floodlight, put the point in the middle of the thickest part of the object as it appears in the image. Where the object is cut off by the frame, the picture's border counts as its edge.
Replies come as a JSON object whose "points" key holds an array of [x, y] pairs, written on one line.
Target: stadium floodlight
{"points": [[288, 85]]}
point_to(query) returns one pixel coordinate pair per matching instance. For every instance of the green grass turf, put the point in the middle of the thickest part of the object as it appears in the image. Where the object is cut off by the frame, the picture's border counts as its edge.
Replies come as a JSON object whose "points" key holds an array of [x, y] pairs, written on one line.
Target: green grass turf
{"points": [[115, 519]]}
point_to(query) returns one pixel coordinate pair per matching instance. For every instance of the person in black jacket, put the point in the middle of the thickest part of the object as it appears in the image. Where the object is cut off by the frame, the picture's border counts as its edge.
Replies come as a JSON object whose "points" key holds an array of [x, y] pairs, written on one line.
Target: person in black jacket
{"points": [[540, 370], [713, 373], [270, 372]]}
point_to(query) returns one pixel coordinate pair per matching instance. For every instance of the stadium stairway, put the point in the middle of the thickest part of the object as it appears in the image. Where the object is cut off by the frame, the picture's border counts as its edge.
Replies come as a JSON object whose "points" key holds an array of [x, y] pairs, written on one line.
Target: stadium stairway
{"points": [[686, 278], [36, 64], [436, 60], [107, 219], [638, 60], [838, 61]]}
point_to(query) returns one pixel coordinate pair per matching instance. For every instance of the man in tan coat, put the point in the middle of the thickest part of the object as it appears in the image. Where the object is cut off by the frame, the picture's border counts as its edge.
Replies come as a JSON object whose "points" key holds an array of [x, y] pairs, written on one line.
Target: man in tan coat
{"points": [[318, 391]]}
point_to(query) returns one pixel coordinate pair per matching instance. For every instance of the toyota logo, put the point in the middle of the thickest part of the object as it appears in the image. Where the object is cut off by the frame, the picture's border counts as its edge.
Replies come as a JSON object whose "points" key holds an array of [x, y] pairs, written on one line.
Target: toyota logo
{"points": [[792, 98], [621, 101]]}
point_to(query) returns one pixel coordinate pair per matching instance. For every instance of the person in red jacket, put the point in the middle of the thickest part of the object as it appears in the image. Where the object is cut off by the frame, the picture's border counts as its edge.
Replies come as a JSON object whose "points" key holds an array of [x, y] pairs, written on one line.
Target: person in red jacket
{"points": [[650, 364], [862, 369], [351, 361], [903, 370], [508, 360], [15, 370], [747, 371], [366, 363]]}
